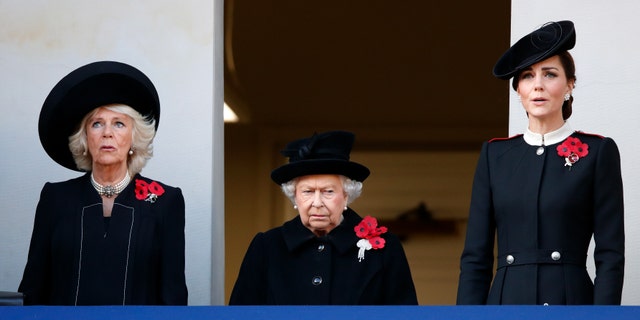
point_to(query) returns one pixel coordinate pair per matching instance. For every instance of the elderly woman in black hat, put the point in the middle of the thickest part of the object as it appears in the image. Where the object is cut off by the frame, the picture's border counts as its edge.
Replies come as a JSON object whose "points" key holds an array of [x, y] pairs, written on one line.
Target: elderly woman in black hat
{"points": [[328, 254], [110, 236], [545, 193]]}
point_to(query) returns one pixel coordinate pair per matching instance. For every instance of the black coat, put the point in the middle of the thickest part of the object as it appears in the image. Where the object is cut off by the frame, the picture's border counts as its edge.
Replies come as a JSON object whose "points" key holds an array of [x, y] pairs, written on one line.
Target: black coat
{"points": [[76, 257], [539, 206], [282, 264]]}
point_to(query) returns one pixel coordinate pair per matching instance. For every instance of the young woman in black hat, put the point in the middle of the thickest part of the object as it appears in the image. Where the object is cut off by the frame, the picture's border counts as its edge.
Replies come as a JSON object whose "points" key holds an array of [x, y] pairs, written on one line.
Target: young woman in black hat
{"points": [[328, 254], [110, 236], [543, 194]]}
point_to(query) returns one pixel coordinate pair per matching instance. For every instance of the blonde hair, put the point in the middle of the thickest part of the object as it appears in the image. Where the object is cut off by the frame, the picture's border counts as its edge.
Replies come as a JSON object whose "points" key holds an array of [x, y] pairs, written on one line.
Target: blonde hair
{"points": [[142, 134]]}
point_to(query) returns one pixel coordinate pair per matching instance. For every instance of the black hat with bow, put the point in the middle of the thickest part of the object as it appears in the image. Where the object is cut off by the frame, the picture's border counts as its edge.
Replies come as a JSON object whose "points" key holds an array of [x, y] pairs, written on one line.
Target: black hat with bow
{"points": [[550, 39], [323, 153]]}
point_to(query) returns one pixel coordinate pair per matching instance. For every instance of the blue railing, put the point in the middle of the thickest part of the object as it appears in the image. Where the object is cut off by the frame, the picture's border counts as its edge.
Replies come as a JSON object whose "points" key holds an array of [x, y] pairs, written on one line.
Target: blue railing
{"points": [[324, 312]]}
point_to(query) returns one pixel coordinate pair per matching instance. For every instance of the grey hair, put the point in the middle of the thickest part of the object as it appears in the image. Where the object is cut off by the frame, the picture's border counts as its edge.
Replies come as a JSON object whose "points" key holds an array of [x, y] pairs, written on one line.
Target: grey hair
{"points": [[352, 188], [142, 134]]}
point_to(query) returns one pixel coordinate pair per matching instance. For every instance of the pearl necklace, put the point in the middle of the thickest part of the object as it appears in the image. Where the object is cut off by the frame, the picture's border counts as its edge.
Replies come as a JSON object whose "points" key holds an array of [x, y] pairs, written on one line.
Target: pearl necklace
{"points": [[109, 191]]}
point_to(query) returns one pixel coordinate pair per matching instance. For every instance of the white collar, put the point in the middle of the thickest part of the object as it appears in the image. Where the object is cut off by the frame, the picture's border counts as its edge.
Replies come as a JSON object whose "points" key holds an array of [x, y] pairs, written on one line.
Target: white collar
{"points": [[536, 139]]}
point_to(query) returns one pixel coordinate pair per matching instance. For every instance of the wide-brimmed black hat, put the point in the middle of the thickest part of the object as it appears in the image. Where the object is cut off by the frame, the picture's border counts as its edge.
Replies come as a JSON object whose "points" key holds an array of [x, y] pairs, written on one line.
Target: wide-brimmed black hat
{"points": [[323, 153], [84, 89], [548, 40]]}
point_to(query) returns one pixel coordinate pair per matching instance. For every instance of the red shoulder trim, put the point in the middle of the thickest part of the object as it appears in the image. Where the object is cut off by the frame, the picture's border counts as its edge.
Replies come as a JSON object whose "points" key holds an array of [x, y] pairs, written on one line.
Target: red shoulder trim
{"points": [[590, 134], [507, 138]]}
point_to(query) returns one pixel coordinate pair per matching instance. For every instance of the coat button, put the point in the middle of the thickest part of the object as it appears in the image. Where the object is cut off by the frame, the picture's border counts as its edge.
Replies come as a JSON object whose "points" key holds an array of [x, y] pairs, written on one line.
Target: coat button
{"points": [[321, 248], [555, 256], [317, 280], [510, 259]]}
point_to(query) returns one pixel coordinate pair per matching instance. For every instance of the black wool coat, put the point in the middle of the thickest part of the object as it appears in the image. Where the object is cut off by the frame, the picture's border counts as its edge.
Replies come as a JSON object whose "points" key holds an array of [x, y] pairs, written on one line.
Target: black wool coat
{"points": [[544, 214], [76, 257], [289, 265]]}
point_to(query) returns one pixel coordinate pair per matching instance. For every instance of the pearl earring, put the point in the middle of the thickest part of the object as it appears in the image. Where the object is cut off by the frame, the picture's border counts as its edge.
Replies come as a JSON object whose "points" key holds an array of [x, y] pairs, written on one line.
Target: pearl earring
{"points": [[345, 207], [567, 96], [130, 151], [295, 207]]}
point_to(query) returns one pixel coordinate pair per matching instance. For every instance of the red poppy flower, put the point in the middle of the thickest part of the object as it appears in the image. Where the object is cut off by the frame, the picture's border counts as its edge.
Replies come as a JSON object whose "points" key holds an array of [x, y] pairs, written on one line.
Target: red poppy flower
{"points": [[156, 188], [148, 191], [377, 242], [581, 149], [380, 231], [572, 149], [141, 189], [366, 227]]}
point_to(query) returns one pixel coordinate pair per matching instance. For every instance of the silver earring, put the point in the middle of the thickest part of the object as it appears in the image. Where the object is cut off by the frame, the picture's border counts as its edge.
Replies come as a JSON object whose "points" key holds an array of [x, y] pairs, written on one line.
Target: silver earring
{"points": [[345, 207], [567, 96], [295, 207], [130, 152]]}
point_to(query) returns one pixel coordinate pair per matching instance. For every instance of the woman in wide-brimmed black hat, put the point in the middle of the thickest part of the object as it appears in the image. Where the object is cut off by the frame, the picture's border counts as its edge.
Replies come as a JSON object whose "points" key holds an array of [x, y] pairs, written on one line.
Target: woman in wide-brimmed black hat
{"points": [[110, 236], [328, 254], [544, 194]]}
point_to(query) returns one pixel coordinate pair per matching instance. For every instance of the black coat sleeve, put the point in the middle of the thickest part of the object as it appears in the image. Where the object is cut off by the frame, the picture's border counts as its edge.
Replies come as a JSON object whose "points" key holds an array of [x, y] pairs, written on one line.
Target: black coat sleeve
{"points": [[36, 280], [608, 226], [398, 287], [476, 263], [173, 284], [251, 286]]}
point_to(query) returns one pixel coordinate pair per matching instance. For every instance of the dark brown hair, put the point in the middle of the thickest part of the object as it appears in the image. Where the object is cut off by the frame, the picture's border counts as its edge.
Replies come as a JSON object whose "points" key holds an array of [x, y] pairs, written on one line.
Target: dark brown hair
{"points": [[569, 67]]}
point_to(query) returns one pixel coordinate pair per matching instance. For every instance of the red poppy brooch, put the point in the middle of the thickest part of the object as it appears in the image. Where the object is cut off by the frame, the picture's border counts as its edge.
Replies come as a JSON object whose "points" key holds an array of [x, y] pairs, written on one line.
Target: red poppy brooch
{"points": [[369, 232], [148, 191], [572, 150]]}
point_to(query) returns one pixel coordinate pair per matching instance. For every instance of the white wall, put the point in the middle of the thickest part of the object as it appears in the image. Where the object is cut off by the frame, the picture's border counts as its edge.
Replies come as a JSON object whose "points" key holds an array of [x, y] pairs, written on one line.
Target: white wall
{"points": [[607, 93], [173, 43]]}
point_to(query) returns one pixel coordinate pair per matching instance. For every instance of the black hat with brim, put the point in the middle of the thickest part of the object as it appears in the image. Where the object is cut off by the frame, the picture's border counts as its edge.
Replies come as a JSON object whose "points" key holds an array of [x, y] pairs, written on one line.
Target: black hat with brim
{"points": [[550, 39], [324, 153], [84, 89]]}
